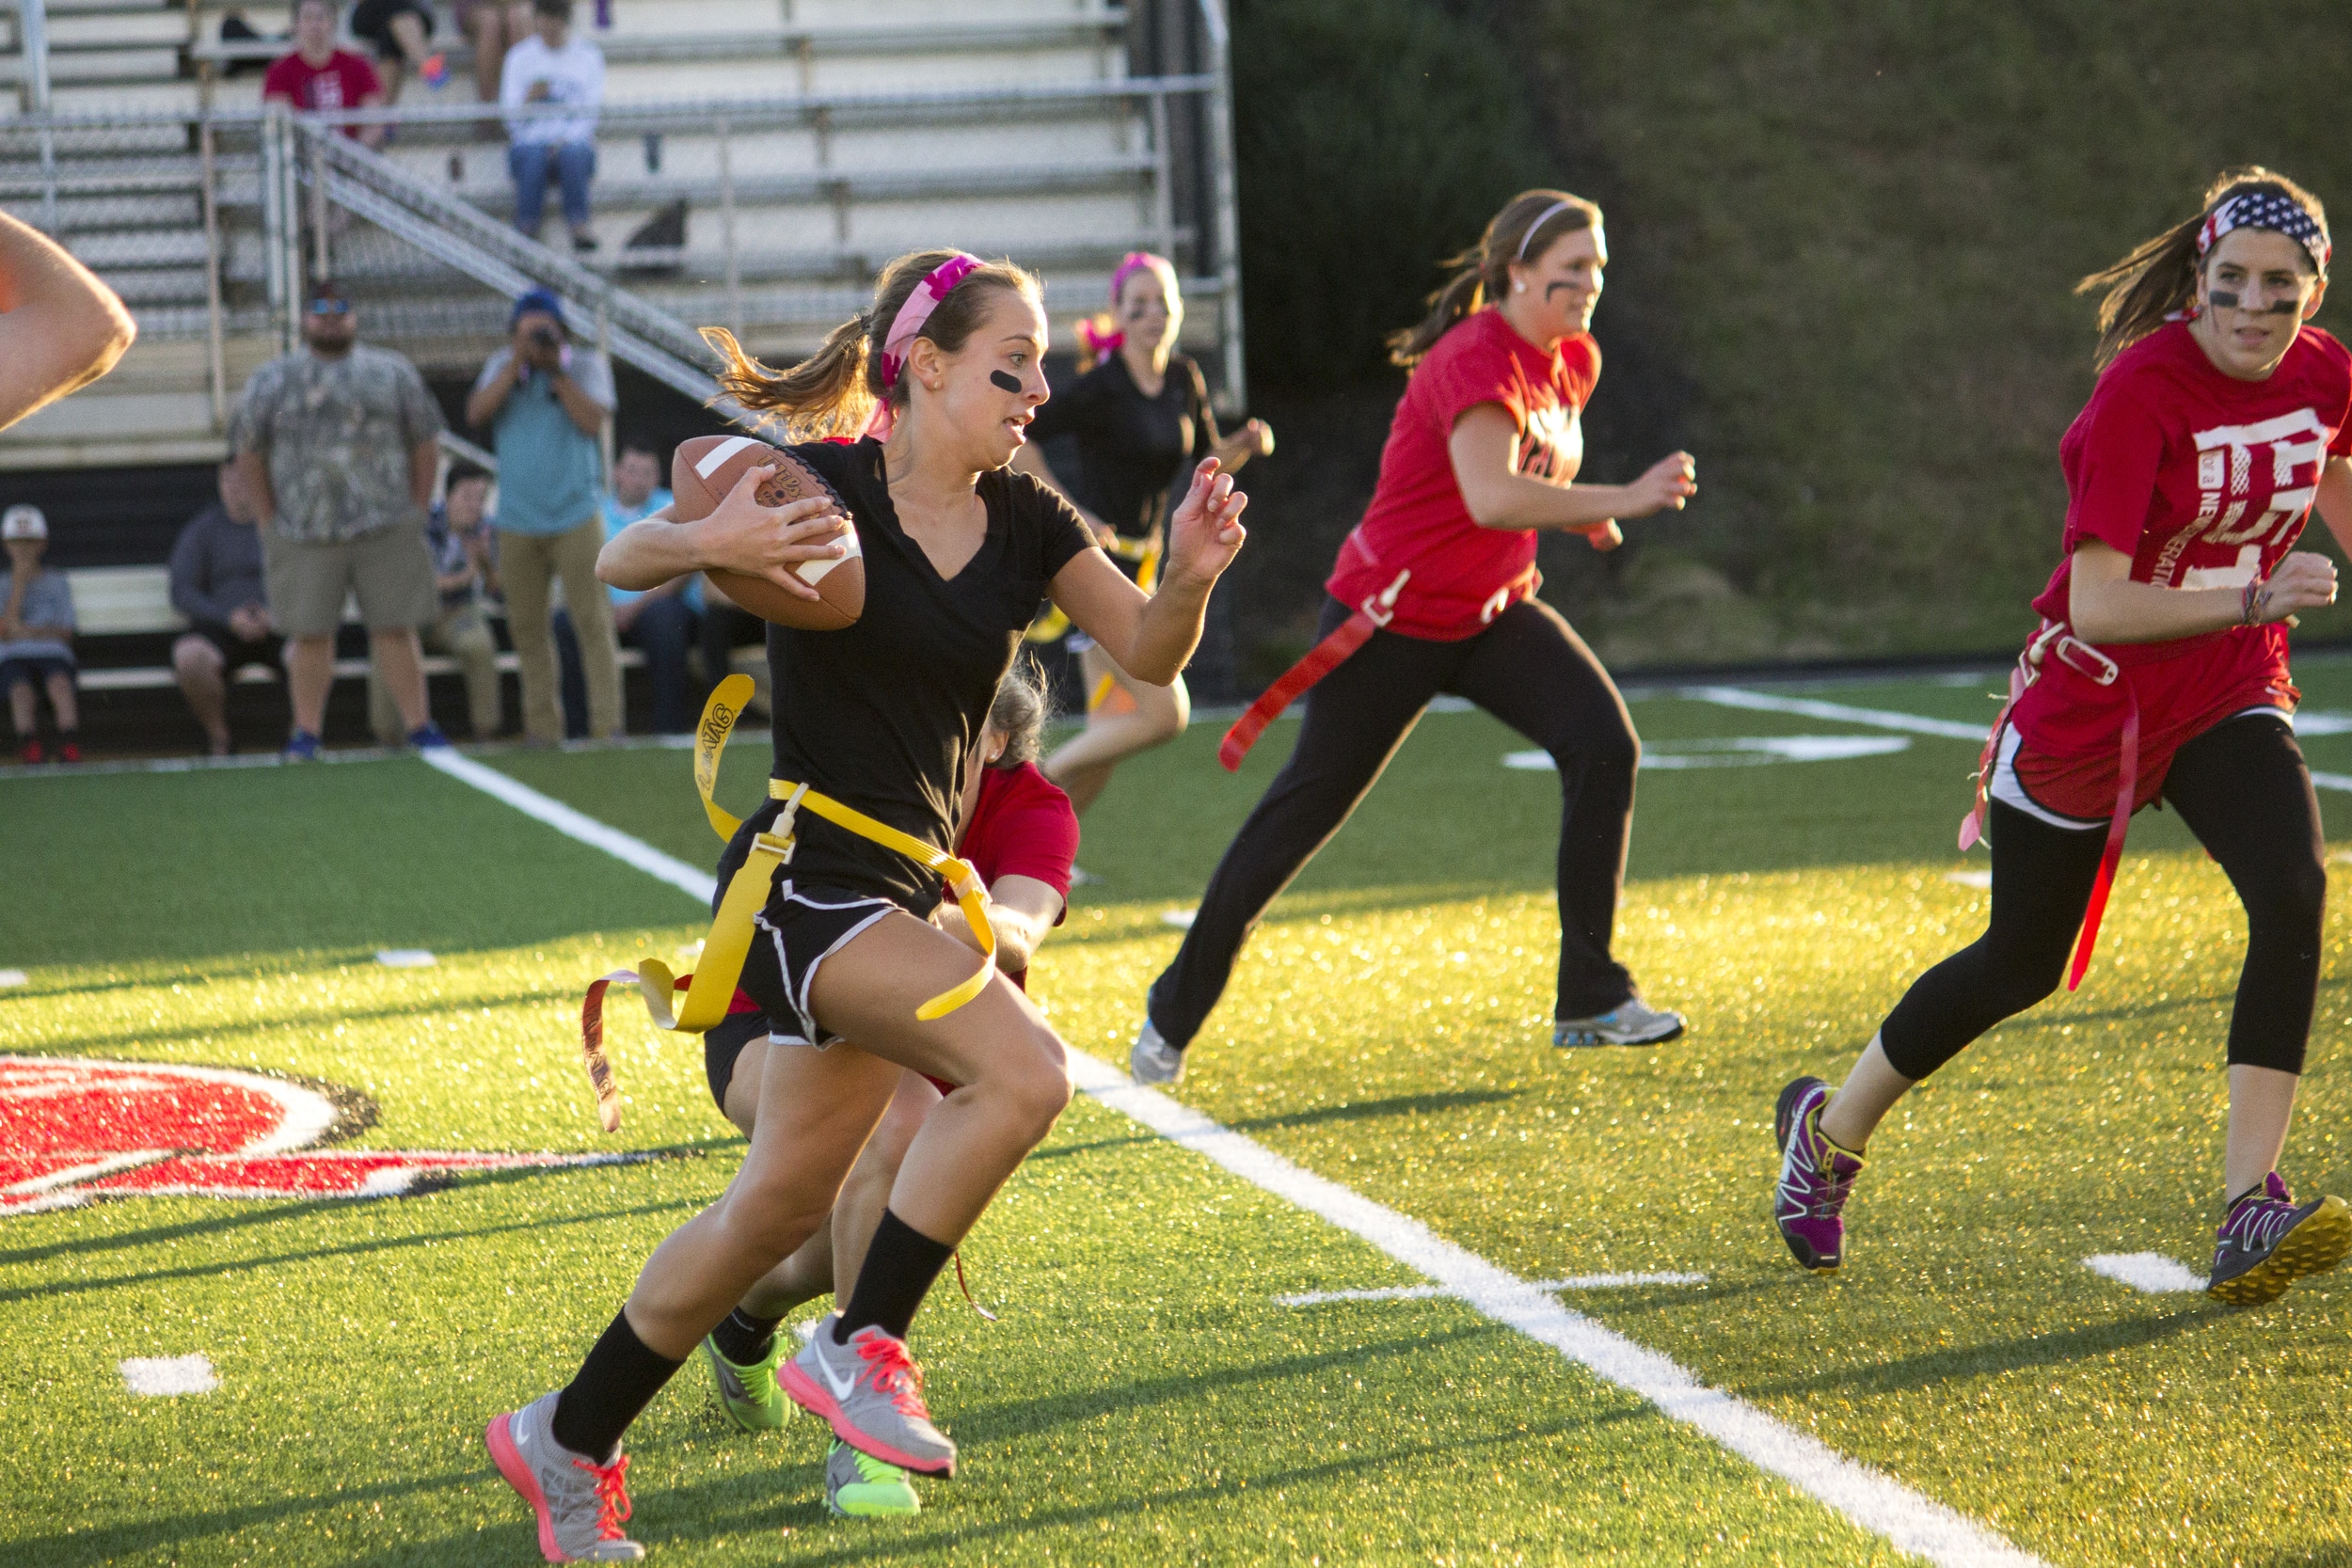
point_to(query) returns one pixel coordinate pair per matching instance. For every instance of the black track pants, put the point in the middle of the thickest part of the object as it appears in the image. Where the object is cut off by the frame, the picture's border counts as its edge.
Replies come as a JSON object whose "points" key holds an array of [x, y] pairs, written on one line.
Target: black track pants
{"points": [[2242, 789], [1527, 669]]}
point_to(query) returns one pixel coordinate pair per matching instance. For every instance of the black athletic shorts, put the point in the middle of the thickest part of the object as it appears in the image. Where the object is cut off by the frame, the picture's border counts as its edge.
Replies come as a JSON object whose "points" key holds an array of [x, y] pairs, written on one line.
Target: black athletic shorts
{"points": [[724, 1044], [801, 926], [372, 20], [236, 652]]}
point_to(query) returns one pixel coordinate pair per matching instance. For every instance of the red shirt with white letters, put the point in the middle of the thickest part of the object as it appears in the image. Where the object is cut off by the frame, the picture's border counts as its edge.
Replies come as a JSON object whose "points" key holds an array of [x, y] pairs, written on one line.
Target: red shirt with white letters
{"points": [[1463, 575]]}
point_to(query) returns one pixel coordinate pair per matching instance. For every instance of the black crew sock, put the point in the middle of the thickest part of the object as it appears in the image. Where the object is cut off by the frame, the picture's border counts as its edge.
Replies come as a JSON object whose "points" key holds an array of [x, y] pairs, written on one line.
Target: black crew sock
{"points": [[611, 1388], [743, 1339], [900, 1268]]}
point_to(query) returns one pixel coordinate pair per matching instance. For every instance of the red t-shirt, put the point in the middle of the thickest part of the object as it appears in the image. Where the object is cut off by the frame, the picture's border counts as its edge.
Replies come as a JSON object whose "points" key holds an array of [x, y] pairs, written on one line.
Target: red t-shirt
{"points": [[1021, 826], [345, 82], [1463, 575], [2203, 480]]}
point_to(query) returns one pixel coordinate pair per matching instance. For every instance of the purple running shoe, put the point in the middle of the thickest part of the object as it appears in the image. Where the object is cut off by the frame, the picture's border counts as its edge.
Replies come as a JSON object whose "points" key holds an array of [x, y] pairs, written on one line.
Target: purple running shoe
{"points": [[1809, 1199], [2269, 1240]]}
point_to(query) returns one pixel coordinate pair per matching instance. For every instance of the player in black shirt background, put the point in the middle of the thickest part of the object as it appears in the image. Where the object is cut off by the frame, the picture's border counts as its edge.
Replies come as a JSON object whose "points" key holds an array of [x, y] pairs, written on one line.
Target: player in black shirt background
{"points": [[883, 716], [1137, 415]]}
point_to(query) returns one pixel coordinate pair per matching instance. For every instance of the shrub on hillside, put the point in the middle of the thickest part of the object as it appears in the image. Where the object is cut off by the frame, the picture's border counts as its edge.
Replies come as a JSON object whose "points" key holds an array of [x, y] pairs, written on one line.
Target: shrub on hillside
{"points": [[1374, 138]]}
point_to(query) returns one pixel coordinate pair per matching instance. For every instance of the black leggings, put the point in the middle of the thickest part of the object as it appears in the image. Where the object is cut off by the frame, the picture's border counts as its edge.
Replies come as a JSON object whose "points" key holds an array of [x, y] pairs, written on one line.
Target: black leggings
{"points": [[2242, 789], [1527, 669]]}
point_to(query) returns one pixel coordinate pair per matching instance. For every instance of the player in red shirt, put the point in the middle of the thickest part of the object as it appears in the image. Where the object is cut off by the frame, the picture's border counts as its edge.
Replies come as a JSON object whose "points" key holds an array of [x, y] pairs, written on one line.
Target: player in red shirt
{"points": [[319, 76], [1021, 836], [1434, 592], [2160, 670]]}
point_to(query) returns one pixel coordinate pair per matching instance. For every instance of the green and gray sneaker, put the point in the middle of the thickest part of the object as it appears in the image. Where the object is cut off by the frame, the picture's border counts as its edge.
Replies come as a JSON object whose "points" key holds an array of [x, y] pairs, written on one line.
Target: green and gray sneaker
{"points": [[749, 1394], [859, 1486]]}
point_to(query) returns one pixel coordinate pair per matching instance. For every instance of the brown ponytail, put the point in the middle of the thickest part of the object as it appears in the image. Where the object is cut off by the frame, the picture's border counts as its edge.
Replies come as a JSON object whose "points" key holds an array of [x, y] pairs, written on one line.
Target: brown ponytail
{"points": [[1522, 232], [2157, 279], [833, 391]]}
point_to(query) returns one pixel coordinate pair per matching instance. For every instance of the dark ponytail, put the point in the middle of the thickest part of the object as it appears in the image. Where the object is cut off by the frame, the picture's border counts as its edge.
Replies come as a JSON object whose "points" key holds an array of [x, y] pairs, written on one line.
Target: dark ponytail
{"points": [[1522, 232], [833, 391], [2157, 279]]}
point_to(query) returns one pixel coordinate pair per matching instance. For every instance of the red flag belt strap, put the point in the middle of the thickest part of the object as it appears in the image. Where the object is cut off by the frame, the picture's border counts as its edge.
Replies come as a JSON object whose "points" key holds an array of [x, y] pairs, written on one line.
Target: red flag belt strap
{"points": [[1323, 657]]}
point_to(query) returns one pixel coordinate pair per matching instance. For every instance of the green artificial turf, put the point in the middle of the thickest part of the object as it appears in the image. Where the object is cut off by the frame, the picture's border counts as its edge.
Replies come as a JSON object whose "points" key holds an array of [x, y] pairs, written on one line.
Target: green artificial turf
{"points": [[1143, 1398]]}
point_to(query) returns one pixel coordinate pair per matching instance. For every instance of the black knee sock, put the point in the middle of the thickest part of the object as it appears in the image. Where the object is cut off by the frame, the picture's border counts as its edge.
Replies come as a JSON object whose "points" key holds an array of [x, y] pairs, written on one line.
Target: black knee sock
{"points": [[743, 1339], [612, 1386], [900, 1268]]}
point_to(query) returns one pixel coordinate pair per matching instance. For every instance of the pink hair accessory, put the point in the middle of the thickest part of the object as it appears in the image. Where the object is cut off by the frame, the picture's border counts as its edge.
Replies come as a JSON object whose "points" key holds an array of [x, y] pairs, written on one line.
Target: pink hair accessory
{"points": [[1101, 343], [908, 325], [1131, 263]]}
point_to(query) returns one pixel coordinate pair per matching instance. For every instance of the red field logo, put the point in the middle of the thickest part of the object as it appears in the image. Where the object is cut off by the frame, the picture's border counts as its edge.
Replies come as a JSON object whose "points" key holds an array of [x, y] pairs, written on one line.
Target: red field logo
{"points": [[72, 1130]]}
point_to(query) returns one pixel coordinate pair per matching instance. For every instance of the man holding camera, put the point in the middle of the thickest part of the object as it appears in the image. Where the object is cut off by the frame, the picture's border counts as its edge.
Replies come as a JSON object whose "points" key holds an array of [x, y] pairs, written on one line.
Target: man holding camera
{"points": [[544, 402]]}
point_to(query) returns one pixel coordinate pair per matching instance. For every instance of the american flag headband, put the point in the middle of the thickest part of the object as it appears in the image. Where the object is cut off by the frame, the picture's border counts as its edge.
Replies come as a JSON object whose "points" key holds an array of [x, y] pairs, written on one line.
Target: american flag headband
{"points": [[2265, 210]]}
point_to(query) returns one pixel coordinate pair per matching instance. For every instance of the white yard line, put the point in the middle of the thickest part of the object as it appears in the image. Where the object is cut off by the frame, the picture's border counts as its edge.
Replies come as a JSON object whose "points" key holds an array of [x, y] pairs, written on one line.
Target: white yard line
{"points": [[2150, 1273], [161, 1376], [1810, 707], [1911, 1521]]}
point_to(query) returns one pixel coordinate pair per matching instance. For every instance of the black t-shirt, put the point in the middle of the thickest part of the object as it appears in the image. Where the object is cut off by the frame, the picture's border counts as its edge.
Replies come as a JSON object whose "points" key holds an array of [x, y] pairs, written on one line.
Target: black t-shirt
{"points": [[881, 714], [1129, 446]]}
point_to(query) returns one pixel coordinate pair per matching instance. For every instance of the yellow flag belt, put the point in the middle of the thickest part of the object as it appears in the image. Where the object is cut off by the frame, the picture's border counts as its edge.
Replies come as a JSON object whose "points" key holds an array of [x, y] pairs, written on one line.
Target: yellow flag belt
{"points": [[711, 987]]}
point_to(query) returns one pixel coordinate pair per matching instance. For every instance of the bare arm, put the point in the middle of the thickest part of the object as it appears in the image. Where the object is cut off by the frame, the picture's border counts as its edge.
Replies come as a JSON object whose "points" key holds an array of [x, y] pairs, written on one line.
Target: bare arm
{"points": [[586, 412], [372, 136], [1253, 440], [1481, 448], [61, 329], [739, 535], [253, 470], [1152, 637], [1021, 909], [2105, 605], [425, 467], [483, 403]]}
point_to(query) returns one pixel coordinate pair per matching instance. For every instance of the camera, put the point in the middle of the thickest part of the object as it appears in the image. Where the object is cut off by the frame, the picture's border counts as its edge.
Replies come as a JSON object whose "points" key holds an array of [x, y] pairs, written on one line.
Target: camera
{"points": [[543, 339]]}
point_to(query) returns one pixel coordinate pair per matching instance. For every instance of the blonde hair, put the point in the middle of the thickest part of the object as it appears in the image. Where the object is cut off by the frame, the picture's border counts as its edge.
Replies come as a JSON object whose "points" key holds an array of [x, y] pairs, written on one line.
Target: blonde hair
{"points": [[1018, 712], [833, 391]]}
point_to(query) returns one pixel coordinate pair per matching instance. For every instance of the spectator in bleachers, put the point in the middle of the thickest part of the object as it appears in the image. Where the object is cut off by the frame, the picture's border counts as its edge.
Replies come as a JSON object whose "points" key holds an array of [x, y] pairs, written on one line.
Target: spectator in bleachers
{"points": [[338, 446], [544, 403], [494, 25], [464, 569], [37, 638], [552, 67], [661, 621], [318, 75], [217, 582], [402, 31]]}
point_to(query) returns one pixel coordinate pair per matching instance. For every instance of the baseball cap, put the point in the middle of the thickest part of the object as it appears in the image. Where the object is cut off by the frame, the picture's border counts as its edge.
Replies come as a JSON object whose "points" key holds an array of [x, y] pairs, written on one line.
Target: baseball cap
{"points": [[539, 299], [24, 522]]}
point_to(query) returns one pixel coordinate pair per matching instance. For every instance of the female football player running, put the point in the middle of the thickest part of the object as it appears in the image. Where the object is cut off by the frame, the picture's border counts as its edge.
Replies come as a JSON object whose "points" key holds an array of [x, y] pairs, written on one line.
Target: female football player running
{"points": [[1434, 592], [1018, 832], [2160, 670], [883, 717]]}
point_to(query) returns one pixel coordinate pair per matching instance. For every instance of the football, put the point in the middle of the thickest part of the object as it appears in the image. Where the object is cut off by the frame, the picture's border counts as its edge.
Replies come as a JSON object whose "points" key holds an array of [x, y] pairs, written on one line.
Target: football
{"points": [[702, 473]]}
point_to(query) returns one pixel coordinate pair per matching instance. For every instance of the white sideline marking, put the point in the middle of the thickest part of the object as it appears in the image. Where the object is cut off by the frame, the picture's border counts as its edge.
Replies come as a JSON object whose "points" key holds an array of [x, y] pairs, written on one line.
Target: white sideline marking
{"points": [[1879, 1503], [1759, 702], [1744, 751], [1911, 1521], [1418, 1293], [405, 958], [160, 1376], [697, 885], [1970, 879], [13, 977], [1180, 919], [2150, 1272]]}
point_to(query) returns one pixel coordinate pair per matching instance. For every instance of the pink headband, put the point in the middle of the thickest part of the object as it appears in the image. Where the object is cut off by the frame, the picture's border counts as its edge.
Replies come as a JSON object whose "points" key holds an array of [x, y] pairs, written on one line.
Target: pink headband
{"points": [[1101, 343], [907, 326]]}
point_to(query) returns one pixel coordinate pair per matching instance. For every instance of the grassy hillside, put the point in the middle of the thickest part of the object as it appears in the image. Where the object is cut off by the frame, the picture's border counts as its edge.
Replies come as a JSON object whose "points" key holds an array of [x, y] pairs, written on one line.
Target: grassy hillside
{"points": [[1844, 239]]}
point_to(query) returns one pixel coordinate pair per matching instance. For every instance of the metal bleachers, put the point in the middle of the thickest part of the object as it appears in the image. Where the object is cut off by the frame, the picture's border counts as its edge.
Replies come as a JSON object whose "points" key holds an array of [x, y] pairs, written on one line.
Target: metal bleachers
{"points": [[810, 141]]}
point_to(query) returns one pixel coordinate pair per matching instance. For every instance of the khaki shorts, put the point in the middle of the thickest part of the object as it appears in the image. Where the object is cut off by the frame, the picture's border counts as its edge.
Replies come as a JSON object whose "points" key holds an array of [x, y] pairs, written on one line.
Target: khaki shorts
{"points": [[387, 566]]}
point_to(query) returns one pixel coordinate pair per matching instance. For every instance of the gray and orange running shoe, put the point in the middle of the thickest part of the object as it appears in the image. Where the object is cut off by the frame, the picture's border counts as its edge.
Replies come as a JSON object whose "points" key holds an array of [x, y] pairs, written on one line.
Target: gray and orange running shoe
{"points": [[1809, 1199], [2268, 1241], [580, 1504], [1633, 1021], [871, 1392]]}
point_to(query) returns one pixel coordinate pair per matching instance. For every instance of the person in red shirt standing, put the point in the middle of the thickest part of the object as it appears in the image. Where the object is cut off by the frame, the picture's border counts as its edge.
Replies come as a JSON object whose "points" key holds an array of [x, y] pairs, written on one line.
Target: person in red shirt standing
{"points": [[1434, 592], [1020, 833], [2160, 670], [319, 76]]}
